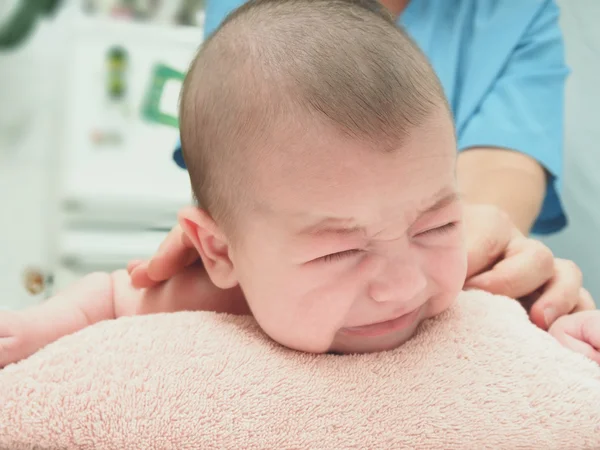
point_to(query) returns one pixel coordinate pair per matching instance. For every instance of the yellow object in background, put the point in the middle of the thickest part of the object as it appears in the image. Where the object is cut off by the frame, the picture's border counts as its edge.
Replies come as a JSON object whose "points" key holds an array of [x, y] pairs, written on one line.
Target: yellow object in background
{"points": [[117, 73]]}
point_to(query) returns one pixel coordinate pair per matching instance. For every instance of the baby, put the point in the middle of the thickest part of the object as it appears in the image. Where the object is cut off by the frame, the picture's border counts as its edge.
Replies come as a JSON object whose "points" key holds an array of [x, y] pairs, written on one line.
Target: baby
{"points": [[322, 150]]}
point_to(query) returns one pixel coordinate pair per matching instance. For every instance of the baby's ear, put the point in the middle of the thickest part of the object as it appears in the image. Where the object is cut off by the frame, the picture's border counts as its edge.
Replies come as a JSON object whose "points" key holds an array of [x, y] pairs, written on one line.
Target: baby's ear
{"points": [[211, 244]]}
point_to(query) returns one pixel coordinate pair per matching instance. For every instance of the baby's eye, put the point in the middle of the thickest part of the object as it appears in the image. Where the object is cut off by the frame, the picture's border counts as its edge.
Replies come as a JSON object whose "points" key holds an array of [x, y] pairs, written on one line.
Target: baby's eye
{"points": [[444, 229], [340, 255]]}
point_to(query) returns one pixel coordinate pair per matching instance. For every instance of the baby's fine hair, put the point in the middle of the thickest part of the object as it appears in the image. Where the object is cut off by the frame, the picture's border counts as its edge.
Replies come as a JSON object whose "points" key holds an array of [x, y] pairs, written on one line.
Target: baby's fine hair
{"points": [[273, 63]]}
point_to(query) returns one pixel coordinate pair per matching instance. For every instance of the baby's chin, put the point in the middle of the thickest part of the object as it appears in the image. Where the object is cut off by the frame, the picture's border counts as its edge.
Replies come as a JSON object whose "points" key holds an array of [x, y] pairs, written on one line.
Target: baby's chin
{"points": [[348, 344], [344, 344]]}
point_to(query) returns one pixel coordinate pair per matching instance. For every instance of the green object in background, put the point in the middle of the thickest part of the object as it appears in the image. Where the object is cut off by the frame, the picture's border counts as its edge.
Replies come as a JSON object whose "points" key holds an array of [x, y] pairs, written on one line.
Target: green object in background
{"points": [[151, 106], [20, 24], [116, 62]]}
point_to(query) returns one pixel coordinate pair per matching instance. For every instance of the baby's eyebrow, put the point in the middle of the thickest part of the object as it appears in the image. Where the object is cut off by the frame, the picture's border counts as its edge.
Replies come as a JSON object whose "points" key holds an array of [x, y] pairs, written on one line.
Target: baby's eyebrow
{"points": [[347, 226], [332, 225], [441, 200]]}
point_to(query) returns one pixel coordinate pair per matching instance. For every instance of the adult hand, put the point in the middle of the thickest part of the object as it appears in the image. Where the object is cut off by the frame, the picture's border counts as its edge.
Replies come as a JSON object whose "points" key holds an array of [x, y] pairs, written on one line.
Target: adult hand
{"points": [[580, 332], [174, 254], [503, 261], [176, 271]]}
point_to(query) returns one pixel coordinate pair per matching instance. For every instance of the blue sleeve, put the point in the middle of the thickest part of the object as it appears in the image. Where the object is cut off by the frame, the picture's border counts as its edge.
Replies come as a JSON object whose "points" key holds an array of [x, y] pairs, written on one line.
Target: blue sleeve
{"points": [[524, 109], [215, 13]]}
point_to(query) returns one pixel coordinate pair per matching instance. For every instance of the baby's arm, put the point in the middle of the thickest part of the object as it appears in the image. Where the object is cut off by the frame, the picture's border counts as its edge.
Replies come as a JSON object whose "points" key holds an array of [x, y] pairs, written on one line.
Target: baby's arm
{"points": [[84, 303], [103, 296]]}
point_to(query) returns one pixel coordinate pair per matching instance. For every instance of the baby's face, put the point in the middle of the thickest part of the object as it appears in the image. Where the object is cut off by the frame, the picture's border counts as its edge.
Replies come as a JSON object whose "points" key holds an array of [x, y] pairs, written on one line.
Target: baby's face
{"points": [[351, 248]]}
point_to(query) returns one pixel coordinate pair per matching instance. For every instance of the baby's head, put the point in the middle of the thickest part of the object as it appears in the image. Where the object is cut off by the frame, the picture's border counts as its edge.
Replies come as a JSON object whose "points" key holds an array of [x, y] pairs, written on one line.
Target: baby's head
{"points": [[322, 152]]}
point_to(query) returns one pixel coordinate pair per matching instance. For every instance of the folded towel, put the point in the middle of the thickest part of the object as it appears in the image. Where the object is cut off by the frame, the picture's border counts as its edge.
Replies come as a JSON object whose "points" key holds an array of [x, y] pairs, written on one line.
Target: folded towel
{"points": [[479, 376]]}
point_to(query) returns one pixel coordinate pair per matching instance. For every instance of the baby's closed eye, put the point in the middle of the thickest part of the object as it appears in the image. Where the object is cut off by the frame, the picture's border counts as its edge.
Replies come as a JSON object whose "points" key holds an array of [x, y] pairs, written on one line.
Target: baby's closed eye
{"points": [[338, 256], [439, 230]]}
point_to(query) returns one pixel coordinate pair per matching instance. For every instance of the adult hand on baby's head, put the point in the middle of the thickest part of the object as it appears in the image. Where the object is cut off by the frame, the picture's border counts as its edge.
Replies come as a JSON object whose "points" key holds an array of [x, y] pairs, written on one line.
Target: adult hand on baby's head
{"points": [[175, 271], [580, 332], [503, 261], [174, 254]]}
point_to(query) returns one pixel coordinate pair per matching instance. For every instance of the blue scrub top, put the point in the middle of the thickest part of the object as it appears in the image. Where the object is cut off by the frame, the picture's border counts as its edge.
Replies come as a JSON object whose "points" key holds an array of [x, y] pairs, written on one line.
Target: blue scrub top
{"points": [[502, 66]]}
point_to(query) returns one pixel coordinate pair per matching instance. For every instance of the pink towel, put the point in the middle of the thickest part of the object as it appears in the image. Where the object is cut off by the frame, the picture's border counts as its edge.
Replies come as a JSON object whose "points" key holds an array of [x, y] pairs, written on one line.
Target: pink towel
{"points": [[479, 376]]}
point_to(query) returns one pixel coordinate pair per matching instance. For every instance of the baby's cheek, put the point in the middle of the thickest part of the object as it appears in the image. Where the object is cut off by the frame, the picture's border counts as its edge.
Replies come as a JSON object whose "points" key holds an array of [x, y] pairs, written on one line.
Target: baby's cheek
{"points": [[447, 273], [304, 308], [284, 313], [449, 269], [440, 303]]}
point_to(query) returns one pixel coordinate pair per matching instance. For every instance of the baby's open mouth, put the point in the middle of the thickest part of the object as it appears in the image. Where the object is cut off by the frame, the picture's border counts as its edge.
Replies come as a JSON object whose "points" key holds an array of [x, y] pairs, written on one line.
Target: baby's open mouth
{"points": [[382, 328]]}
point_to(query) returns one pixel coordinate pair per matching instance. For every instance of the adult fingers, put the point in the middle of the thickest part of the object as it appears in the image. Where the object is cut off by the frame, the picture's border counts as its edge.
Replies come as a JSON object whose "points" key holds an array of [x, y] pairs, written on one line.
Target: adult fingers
{"points": [[139, 277], [174, 254], [527, 267], [560, 296], [586, 302], [131, 265], [488, 234]]}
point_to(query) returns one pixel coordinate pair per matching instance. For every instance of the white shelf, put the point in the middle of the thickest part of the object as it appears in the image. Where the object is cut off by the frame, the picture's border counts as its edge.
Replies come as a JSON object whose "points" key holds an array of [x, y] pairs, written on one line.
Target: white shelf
{"points": [[116, 203]]}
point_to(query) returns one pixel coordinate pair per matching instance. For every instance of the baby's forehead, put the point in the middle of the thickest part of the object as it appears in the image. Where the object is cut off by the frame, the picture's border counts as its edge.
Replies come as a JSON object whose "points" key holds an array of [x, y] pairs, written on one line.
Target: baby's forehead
{"points": [[340, 216]]}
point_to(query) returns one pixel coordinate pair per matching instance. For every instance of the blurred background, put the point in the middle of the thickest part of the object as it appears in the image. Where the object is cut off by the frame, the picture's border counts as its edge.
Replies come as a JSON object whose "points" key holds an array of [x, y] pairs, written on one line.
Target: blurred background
{"points": [[88, 100]]}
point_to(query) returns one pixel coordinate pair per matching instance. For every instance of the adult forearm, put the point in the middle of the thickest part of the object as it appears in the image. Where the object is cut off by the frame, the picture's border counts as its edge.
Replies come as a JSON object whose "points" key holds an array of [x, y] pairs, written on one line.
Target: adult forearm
{"points": [[512, 181]]}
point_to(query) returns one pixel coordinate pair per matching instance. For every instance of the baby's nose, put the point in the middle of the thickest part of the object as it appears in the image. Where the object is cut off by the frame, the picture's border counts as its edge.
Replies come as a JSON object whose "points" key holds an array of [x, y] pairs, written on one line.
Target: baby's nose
{"points": [[398, 282]]}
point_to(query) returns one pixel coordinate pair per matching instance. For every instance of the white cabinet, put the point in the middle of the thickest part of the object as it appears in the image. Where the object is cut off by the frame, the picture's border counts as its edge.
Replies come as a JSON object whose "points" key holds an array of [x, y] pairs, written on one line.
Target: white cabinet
{"points": [[117, 200], [28, 125], [70, 206]]}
